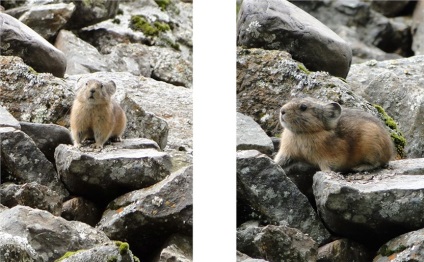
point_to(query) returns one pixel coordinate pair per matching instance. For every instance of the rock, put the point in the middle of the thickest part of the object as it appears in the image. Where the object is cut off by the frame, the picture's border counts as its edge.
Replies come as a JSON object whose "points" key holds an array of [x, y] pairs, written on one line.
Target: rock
{"points": [[81, 57], [14, 248], [103, 176], [389, 9], [48, 19], [407, 247], [133, 57], [251, 136], [83, 210], [145, 218], [342, 250], [275, 24], [26, 163], [48, 235], [372, 207], [178, 248], [279, 243], [245, 258], [47, 137], [417, 29], [32, 97], [91, 12], [265, 187], [31, 194], [20, 40], [117, 251], [393, 85], [7, 120]]}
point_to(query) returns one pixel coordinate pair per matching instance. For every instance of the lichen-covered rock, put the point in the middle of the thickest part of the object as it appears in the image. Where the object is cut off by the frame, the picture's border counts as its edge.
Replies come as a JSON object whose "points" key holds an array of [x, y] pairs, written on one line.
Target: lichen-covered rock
{"points": [[81, 209], [48, 19], [31, 194], [397, 86], [145, 218], [376, 206], [7, 120], [178, 248], [280, 25], [47, 137], [389, 9], [245, 258], [105, 175], [17, 39], [343, 250], [14, 248], [264, 186], [130, 57], [48, 235], [108, 252], [25, 163], [407, 247], [277, 243], [417, 29], [251, 136], [33, 97]]}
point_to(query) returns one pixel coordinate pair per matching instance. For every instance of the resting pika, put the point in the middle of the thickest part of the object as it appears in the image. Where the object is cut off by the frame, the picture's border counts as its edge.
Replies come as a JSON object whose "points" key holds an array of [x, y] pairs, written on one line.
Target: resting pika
{"points": [[95, 115], [332, 138]]}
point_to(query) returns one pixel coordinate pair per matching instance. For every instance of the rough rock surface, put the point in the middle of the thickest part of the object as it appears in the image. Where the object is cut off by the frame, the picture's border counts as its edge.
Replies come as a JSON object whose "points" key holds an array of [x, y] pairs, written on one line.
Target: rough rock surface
{"points": [[105, 175], [251, 136], [178, 248], [373, 207], [48, 235], [145, 217], [407, 247], [14, 248], [7, 120], [398, 86], [91, 12], [17, 39], [418, 29], [80, 209], [343, 250], [265, 187], [245, 258], [274, 24]]}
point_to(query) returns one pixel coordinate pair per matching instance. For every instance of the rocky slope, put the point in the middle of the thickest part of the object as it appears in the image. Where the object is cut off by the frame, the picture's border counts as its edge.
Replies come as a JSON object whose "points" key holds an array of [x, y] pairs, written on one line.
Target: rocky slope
{"points": [[131, 201], [295, 213]]}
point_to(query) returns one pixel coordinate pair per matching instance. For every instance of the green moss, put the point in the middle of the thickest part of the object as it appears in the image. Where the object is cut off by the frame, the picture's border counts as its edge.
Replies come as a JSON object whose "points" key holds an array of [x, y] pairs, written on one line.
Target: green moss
{"points": [[303, 68], [386, 252], [163, 4], [140, 23], [136, 259], [123, 247], [68, 254], [112, 259]]}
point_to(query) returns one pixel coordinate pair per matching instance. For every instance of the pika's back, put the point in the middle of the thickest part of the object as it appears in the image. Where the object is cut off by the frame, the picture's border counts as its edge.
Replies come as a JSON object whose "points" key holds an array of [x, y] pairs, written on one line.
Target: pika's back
{"points": [[332, 137]]}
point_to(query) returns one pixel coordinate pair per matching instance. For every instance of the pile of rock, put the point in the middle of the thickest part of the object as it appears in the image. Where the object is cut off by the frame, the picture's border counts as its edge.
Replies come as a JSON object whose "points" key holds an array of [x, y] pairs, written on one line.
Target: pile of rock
{"points": [[133, 199], [296, 213]]}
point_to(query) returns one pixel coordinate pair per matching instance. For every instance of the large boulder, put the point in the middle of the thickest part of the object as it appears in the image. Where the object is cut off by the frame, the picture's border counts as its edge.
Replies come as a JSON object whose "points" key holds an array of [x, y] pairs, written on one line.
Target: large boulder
{"points": [[251, 136], [278, 24], [17, 39]]}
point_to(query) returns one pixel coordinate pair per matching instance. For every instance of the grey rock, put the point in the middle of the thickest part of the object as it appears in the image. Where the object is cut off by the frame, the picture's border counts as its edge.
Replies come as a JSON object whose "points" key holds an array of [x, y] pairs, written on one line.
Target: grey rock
{"points": [[113, 251], [26, 163], [251, 136], [389, 9], [7, 120], [48, 19], [17, 39], [14, 248], [103, 176], [31, 194], [275, 24], [407, 247], [245, 258], [342, 250], [47, 137], [83, 210], [417, 29], [145, 218], [81, 57], [132, 57], [396, 85], [178, 248], [32, 97], [266, 188], [49, 236], [376, 206]]}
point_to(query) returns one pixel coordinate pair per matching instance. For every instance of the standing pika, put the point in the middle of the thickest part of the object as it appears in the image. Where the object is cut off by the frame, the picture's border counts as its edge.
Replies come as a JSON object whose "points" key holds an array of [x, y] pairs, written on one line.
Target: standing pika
{"points": [[95, 115], [332, 138]]}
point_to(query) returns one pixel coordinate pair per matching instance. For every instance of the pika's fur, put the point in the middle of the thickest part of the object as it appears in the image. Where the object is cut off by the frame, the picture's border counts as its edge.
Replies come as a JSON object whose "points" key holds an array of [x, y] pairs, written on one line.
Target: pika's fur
{"points": [[332, 138], [95, 115]]}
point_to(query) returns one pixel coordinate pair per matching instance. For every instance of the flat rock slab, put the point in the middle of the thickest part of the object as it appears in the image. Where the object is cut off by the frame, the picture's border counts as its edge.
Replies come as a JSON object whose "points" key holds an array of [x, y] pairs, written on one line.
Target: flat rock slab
{"points": [[7, 120], [251, 136], [103, 176], [375, 206], [280, 25]]}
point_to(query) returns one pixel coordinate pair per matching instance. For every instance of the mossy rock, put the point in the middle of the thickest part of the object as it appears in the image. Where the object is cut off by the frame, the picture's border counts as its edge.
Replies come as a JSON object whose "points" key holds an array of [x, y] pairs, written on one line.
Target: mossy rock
{"points": [[163, 4], [141, 23]]}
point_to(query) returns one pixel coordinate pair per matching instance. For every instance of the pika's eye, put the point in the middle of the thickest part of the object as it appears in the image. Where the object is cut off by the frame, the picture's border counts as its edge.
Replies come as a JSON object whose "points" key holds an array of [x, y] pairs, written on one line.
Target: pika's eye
{"points": [[303, 107]]}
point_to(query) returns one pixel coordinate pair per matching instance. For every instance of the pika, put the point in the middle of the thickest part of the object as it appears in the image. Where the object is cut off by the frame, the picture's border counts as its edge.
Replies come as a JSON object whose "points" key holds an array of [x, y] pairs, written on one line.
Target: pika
{"points": [[95, 114], [331, 137]]}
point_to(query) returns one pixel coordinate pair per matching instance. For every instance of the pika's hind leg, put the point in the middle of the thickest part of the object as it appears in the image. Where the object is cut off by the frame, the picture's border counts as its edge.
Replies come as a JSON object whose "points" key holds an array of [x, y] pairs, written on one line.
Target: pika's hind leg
{"points": [[78, 137]]}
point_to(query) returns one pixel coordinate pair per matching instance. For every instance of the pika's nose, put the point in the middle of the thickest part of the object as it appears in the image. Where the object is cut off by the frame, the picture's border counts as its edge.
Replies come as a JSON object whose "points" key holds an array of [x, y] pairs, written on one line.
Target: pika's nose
{"points": [[92, 91]]}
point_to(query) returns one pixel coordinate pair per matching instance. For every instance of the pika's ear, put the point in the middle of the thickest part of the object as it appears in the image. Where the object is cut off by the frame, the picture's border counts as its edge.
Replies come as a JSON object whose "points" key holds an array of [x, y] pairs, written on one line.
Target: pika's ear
{"points": [[332, 114], [110, 87]]}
